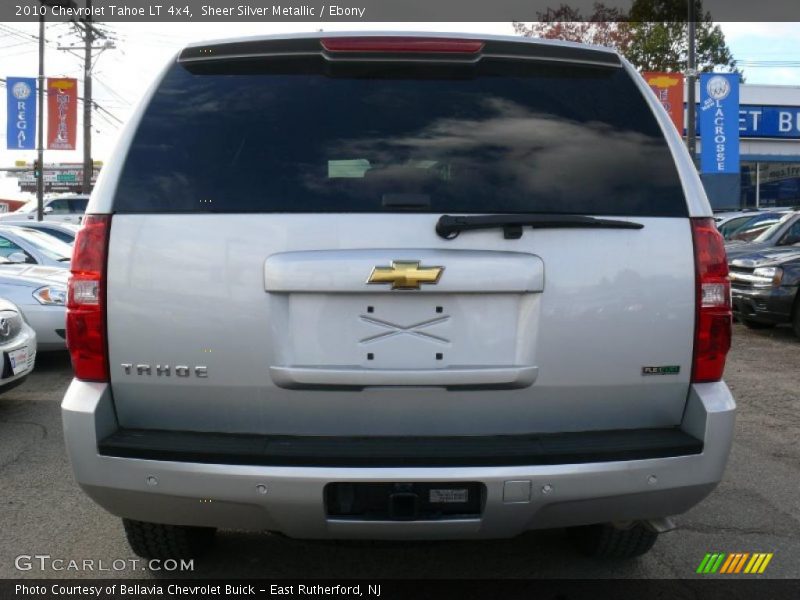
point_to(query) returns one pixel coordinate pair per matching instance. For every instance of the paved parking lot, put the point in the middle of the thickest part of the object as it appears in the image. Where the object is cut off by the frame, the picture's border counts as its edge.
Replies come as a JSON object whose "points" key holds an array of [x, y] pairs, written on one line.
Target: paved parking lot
{"points": [[755, 509]]}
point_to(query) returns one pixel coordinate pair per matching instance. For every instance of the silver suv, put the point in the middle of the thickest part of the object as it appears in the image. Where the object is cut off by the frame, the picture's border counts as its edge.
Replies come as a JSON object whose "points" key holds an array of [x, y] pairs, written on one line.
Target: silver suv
{"points": [[366, 286]]}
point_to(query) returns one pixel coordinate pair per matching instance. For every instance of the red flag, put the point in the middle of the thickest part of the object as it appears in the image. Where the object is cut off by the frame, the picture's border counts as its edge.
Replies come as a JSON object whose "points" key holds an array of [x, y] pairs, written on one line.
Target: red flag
{"points": [[668, 87], [62, 113]]}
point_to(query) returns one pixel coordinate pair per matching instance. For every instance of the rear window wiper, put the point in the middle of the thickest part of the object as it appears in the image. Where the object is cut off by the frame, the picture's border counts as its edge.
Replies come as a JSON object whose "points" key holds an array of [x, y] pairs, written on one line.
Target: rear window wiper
{"points": [[449, 226]]}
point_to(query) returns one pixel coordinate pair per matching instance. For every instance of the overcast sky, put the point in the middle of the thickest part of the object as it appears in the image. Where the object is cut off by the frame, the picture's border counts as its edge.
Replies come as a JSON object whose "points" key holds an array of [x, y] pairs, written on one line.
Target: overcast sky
{"points": [[122, 74]]}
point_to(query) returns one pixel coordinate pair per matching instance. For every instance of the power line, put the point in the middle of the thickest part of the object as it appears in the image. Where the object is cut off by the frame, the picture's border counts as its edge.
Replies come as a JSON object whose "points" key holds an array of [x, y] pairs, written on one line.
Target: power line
{"points": [[25, 43], [767, 61], [108, 88], [19, 53], [777, 65], [20, 34]]}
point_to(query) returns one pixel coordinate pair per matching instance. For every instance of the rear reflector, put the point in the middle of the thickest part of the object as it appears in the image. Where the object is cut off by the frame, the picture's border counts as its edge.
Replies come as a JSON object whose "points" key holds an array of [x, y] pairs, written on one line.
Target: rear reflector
{"points": [[86, 302], [401, 45], [712, 338]]}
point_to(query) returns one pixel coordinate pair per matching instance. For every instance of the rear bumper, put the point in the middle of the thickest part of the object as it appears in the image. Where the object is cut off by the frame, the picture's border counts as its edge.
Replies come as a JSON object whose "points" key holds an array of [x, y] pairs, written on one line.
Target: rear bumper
{"points": [[289, 499]]}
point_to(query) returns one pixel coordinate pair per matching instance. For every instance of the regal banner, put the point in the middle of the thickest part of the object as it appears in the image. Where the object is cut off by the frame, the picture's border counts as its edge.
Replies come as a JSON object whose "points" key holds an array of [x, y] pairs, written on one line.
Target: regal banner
{"points": [[21, 122], [62, 113]]}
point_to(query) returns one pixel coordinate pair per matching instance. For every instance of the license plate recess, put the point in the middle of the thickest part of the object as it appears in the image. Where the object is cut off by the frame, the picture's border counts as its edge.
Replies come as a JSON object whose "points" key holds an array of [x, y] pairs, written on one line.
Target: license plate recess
{"points": [[404, 501]]}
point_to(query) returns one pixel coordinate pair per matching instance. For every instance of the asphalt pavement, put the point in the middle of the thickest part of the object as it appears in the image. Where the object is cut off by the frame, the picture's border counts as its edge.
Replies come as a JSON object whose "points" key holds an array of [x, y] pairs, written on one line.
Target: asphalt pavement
{"points": [[755, 509]]}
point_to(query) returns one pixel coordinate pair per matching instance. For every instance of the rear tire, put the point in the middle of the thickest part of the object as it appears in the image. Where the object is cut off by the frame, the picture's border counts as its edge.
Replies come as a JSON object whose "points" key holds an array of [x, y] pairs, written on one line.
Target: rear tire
{"points": [[154, 540], [796, 317], [609, 541], [750, 324]]}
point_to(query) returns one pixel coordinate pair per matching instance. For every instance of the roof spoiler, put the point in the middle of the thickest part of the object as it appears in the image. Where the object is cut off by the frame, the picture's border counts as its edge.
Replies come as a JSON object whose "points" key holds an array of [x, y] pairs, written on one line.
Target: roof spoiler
{"points": [[398, 49]]}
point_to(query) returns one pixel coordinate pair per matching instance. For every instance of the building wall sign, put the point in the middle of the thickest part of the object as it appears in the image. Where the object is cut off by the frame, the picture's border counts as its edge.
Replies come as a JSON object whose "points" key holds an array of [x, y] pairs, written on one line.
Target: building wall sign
{"points": [[760, 121], [769, 121], [57, 177]]}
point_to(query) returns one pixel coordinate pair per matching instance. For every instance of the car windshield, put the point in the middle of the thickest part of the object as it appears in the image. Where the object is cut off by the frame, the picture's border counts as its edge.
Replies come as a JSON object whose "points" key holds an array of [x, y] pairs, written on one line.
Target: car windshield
{"points": [[731, 226], [766, 235], [68, 237], [51, 247], [754, 226]]}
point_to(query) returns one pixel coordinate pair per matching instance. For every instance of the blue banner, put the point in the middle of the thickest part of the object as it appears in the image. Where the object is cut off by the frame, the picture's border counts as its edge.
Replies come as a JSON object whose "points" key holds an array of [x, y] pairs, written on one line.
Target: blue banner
{"points": [[719, 122], [21, 131]]}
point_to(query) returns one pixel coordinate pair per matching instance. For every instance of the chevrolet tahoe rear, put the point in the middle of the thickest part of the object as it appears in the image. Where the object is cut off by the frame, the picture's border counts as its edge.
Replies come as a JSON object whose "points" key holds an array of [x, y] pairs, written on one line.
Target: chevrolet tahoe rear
{"points": [[398, 287]]}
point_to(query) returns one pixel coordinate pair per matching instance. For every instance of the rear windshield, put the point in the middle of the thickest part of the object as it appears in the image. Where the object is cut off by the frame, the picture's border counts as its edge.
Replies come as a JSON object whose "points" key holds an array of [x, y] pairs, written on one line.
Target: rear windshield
{"points": [[529, 138]]}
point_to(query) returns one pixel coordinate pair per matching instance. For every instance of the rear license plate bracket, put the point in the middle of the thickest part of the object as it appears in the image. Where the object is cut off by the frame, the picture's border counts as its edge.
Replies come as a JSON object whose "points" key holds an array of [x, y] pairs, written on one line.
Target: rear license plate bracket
{"points": [[405, 501]]}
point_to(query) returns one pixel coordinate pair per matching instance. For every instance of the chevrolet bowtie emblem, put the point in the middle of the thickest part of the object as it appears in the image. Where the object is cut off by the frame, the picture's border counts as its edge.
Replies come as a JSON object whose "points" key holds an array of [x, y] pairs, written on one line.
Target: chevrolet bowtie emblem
{"points": [[405, 275]]}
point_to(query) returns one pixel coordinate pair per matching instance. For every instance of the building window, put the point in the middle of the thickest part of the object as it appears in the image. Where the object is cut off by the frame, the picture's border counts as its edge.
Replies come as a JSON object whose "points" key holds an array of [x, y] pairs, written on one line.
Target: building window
{"points": [[767, 184]]}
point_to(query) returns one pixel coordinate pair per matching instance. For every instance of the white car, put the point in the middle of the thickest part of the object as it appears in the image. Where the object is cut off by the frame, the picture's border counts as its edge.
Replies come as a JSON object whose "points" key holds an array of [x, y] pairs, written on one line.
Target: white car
{"points": [[17, 344], [23, 245], [68, 209], [64, 232]]}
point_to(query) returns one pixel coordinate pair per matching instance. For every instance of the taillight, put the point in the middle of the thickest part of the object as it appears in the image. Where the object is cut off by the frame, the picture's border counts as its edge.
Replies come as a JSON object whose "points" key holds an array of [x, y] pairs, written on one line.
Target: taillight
{"points": [[401, 45], [712, 337], [86, 300]]}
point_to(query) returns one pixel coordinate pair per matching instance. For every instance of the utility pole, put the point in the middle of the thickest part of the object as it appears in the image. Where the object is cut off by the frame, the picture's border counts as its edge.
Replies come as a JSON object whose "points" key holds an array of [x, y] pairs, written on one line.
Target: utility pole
{"points": [[88, 165], [40, 124], [691, 77], [40, 101], [89, 33]]}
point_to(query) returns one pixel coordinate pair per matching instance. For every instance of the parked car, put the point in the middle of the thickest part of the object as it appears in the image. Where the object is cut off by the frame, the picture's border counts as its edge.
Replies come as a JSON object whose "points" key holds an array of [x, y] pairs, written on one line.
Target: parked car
{"points": [[40, 293], [17, 345], [729, 221], [764, 287], [23, 245], [782, 233], [724, 215], [63, 231], [350, 345], [67, 209], [752, 227]]}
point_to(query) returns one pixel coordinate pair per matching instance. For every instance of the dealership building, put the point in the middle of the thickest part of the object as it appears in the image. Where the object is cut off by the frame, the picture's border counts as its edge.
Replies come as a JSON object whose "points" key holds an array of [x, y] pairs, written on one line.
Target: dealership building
{"points": [[769, 148]]}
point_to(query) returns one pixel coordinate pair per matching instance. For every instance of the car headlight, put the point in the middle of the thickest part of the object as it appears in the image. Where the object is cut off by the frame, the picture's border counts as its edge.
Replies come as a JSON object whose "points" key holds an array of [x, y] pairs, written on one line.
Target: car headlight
{"points": [[50, 295], [768, 276]]}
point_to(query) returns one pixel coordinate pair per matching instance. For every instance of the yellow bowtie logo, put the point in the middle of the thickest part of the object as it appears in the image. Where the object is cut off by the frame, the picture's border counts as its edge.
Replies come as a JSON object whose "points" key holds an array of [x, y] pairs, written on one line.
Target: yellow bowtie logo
{"points": [[405, 275]]}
